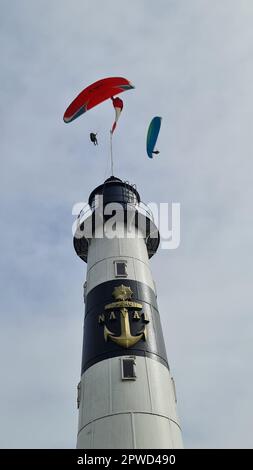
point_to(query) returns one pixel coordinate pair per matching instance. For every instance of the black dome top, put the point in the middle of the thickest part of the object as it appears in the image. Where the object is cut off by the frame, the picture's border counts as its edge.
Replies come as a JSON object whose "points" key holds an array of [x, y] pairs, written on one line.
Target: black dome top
{"points": [[115, 190], [113, 178]]}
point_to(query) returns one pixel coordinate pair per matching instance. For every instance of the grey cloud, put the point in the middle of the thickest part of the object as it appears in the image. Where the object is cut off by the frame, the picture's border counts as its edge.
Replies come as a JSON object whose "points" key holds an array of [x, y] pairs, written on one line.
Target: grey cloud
{"points": [[191, 63]]}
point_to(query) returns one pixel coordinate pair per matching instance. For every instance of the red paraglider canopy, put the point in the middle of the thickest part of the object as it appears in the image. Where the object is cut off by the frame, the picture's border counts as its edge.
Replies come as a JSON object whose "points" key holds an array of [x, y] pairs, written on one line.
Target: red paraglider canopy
{"points": [[96, 94]]}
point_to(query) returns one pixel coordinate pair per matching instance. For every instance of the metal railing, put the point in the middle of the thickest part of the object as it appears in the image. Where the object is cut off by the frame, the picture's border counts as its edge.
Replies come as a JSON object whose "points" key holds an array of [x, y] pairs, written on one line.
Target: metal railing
{"points": [[141, 207]]}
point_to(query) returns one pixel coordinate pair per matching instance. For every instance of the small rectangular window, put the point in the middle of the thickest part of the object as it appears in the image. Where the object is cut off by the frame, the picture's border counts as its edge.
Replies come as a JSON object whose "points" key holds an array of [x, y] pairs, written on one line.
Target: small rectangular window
{"points": [[120, 268], [78, 394], [84, 291], [174, 388], [128, 368]]}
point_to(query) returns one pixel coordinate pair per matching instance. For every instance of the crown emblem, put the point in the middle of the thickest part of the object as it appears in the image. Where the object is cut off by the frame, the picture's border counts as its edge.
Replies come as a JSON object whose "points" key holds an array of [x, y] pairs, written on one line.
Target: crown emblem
{"points": [[122, 293]]}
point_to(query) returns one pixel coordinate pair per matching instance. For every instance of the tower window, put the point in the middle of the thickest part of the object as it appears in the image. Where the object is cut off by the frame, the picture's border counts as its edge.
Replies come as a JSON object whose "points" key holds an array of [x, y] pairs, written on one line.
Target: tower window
{"points": [[174, 388], [128, 368], [120, 268], [78, 394], [84, 291]]}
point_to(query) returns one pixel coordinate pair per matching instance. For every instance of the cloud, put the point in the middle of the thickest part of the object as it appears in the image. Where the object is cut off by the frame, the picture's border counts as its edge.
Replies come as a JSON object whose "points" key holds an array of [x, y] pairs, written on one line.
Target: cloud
{"points": [[191, 63]]}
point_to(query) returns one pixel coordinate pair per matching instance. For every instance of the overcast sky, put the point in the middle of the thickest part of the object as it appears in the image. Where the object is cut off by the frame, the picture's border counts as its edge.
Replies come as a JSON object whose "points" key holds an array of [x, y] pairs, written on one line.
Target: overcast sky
{"points": [[191, 63]]}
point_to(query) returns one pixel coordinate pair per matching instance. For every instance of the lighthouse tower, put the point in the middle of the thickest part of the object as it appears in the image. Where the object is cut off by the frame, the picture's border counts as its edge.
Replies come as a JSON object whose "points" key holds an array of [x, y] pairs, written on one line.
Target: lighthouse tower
{"points": [[126, 396]]}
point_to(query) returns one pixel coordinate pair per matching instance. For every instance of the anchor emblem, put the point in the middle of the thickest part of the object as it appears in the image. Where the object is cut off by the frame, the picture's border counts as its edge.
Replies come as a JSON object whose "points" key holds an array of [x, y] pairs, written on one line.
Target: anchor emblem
{"points": [[122, 295]]}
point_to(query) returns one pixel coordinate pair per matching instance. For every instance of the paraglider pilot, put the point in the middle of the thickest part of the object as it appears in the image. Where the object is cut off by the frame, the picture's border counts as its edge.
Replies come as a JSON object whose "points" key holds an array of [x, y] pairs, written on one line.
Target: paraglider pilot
{"points": [[93, 138]]}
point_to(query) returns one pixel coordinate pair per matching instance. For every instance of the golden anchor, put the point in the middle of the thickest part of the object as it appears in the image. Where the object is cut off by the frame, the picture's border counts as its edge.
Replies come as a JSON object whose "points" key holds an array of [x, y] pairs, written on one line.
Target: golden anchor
{"points": [[126, 339]]}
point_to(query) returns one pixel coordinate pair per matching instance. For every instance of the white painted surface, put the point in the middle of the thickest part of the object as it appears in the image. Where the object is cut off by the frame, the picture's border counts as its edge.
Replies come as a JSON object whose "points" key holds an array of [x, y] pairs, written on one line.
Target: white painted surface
{"points": [[115, 413], [103, 252]]}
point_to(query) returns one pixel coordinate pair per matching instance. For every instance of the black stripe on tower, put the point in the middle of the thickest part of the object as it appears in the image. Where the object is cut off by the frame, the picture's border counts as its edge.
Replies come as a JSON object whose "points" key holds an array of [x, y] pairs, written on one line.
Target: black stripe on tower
{"points": [[122, 318]]}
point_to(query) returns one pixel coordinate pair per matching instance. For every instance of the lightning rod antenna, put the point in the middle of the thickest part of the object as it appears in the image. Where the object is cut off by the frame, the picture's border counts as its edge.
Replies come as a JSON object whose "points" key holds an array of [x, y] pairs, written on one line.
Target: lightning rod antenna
{"points": [[111, 153]]}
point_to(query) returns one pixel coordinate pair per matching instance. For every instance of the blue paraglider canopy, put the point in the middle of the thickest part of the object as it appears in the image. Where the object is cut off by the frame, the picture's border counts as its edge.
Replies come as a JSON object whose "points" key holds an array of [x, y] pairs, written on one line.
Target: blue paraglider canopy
{"points": [[153, 131]]}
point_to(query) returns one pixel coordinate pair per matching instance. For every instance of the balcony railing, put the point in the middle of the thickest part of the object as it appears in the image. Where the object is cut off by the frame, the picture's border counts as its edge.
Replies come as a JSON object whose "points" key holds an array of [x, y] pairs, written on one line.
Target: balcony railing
{"points": [[141, 207]]}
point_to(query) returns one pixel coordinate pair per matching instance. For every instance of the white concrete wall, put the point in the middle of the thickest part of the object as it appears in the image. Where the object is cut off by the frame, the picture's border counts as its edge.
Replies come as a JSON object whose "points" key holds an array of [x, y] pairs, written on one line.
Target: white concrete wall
{"points": [[103, 252], [116, 413]]}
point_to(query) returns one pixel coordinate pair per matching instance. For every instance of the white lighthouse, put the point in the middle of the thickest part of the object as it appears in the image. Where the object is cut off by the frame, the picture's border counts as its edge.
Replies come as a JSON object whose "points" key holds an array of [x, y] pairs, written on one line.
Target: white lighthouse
{"points": [[126, 395]]}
